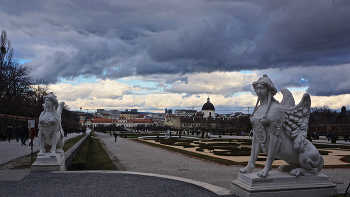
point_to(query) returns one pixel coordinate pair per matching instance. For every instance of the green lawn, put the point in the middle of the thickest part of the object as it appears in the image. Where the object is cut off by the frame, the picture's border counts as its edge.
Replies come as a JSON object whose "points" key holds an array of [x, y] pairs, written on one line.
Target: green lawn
{"points": [[92, 156], [71, 142]]}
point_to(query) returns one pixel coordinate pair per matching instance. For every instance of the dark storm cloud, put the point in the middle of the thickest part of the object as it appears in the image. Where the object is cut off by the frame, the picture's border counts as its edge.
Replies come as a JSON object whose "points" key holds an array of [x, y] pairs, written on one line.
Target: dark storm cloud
{"points": [[113, 39], [319, 80]]}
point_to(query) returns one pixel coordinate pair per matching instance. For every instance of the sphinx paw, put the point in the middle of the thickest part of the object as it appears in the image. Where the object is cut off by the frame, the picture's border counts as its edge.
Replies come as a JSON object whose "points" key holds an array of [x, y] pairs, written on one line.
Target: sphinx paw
{"points": [[245, 170], [263, 173], [304, 172], [297, 172], [285, 168], [53, 154], [60, 150]]}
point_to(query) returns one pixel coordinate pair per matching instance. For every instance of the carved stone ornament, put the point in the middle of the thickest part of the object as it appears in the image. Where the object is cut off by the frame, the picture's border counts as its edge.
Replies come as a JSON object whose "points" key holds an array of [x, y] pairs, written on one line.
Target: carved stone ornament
{"points": [[260, 132]]}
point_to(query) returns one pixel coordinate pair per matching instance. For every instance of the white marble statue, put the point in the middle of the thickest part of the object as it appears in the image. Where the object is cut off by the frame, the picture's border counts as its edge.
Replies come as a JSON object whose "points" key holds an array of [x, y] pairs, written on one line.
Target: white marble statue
{"points": [[88, 131], [51, 134], [167, 134], [280, 130]]}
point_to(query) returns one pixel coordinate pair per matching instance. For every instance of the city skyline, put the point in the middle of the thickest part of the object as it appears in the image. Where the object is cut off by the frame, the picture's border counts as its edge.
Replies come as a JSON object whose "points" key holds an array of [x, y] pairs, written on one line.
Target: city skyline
{"points": [[153, 54]]}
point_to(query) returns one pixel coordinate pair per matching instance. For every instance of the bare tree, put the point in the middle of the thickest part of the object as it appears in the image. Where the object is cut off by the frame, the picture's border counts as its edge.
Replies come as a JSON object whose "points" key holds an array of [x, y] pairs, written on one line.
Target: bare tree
{"points": [[14, 78]]}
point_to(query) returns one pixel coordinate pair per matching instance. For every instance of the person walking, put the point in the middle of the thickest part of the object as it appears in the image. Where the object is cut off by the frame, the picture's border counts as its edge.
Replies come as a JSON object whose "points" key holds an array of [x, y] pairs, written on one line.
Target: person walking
{"points": [[17, 132], [9, 132], [23, 135], [115, 136], [346, 136]]}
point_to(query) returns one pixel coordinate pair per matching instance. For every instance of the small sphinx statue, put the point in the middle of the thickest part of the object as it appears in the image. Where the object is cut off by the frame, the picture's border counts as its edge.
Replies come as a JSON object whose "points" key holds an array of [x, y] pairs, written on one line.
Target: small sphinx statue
{"points": [[280, 130], [51, 134]]}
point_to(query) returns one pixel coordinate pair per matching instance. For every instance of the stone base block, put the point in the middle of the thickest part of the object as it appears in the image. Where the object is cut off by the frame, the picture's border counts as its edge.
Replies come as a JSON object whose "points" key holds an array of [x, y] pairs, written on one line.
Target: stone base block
{"points": [[282, 184], [46, 163]]}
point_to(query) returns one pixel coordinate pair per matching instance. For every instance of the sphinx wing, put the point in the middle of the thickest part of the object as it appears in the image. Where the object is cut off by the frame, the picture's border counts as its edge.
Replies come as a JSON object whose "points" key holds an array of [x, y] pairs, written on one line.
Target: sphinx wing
{"points": [[296, 122], [60, 107], [288, 99]]}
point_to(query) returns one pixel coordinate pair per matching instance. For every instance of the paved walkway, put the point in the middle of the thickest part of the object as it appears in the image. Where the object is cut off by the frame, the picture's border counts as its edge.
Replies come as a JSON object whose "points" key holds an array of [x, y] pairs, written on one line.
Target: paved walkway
{"points": [[13, 149], [110, 183]]}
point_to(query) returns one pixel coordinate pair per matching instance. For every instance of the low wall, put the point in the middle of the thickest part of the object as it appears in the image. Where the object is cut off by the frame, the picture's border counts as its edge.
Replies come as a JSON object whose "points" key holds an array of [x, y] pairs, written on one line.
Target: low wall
{"points": [[72, 152]]}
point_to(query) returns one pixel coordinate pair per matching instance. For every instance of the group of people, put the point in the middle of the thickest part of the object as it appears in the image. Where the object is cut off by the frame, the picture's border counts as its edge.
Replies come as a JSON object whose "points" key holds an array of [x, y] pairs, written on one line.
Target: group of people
{"points": [[251, 133], [333, 137], [21, 133], [315, 136]]}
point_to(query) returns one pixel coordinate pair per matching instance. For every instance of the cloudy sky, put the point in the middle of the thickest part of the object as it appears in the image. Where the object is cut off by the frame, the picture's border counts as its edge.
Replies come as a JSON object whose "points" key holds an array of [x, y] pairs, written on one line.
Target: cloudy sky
{"points": [[157, 54]]}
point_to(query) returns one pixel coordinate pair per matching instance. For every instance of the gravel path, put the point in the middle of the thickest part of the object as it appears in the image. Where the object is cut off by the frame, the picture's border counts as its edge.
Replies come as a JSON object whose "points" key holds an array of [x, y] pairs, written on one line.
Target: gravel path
{"points": [[138, 157], [99, 184]]}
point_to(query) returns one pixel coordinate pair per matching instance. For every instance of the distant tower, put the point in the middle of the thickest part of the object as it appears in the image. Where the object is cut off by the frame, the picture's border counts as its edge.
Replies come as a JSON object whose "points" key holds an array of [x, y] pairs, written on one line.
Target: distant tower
{"points": [[208, 109], [168, 111]]}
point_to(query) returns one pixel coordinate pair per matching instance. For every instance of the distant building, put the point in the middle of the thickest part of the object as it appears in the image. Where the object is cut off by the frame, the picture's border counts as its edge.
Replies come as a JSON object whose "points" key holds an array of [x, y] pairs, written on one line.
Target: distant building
{"points": [[115, 114], [122, 122], [190, 119], [185, 112], [168, 111], [130, 115], [103, 122], [105, 116], [140, 117], [122, 119], [213, 124], [84, 117], [140, 122], [100, 110], [208, 109]]}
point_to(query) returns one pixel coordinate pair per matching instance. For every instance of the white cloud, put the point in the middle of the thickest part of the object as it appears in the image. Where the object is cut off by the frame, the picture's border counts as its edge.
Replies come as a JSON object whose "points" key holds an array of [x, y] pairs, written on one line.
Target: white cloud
{"points": [[225, 83], [103, 89], [192, 92]]}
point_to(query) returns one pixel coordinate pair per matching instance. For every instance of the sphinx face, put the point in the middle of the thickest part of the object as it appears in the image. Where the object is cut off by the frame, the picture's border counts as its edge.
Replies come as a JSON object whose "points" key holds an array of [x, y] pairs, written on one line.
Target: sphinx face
{"points": [[48, 103], [261, 91]]}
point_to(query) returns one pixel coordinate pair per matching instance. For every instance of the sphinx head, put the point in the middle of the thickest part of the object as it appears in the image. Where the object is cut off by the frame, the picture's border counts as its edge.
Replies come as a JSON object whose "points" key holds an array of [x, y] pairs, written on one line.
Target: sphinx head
{"points": [[263, 86], [50, 101]]}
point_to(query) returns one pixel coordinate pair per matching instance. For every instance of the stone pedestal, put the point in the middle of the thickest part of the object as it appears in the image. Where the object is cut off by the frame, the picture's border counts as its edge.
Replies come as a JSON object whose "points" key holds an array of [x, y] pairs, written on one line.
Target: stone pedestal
{"points": [[282, 184], [46, 163]]}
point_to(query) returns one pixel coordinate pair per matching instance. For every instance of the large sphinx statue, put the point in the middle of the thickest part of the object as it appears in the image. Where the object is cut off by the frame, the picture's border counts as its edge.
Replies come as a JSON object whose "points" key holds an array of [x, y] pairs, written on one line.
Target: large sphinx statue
{"points": [[280, 130], [50, 129]]}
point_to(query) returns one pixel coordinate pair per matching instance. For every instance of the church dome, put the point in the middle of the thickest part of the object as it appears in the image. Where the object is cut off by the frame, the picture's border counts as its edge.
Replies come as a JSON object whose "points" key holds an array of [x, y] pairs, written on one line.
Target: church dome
{"points": [[208, 105]]}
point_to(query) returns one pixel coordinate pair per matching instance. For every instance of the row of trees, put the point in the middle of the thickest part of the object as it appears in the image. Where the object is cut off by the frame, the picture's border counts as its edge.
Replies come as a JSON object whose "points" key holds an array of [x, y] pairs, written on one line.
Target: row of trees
{"points": [[324, 115], [20, 94]]}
